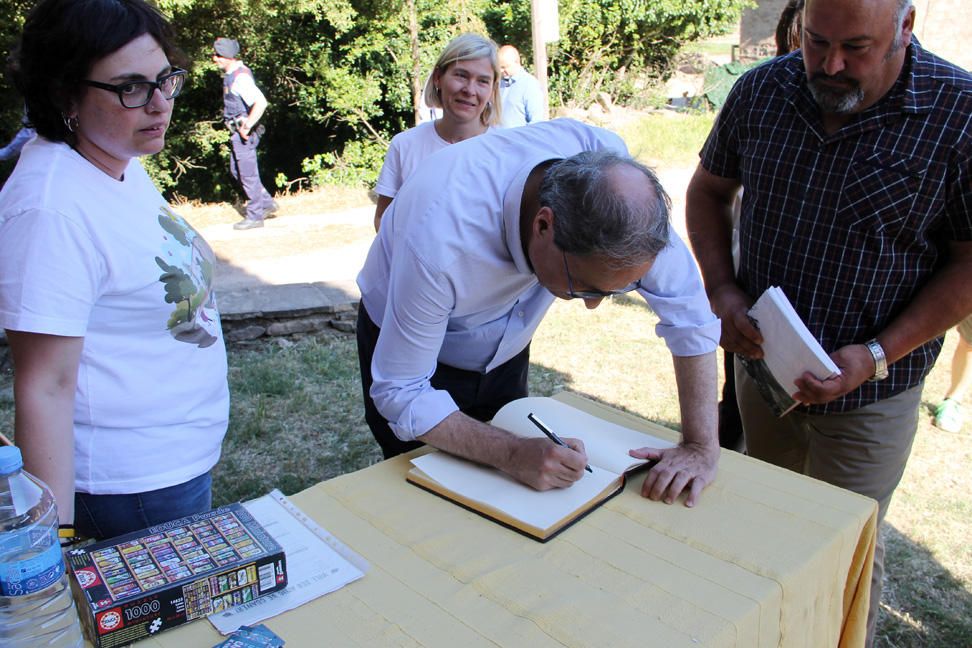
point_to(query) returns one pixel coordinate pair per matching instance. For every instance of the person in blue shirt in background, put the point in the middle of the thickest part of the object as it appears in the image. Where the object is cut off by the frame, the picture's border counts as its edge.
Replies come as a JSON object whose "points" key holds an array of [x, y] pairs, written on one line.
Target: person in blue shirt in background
{"points": [[520, 93], [12, 149]]}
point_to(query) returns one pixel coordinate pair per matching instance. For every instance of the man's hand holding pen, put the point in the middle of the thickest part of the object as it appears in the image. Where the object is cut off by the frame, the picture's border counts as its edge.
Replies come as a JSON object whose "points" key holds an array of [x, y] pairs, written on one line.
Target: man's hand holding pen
{"points": [[544, 465], [550, 462], [550, 434]]}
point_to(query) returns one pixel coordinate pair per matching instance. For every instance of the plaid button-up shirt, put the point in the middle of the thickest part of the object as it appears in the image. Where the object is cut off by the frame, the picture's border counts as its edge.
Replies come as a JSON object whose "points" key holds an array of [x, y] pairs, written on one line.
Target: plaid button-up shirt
{"points": [[850, 225]]}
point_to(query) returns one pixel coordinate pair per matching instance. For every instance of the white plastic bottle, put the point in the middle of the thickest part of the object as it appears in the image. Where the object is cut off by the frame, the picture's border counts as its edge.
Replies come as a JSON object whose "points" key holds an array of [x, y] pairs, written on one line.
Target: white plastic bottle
{"points": [[36, 608]]}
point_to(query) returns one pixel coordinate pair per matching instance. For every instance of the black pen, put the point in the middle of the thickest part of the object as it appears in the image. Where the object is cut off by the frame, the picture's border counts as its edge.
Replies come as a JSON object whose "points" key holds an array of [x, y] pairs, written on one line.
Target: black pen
{"points": [[553, 437]]}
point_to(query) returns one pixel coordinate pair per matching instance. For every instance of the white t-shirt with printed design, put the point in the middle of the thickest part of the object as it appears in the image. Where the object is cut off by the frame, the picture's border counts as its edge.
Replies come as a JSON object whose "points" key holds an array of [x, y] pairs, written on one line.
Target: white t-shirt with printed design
{"points": [[85, 255]]}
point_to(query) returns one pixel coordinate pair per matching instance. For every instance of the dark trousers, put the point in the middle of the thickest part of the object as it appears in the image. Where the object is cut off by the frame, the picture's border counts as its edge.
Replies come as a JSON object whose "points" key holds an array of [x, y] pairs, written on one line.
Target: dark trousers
{"points": [[243, 166], [478, 395], [730, 423]]}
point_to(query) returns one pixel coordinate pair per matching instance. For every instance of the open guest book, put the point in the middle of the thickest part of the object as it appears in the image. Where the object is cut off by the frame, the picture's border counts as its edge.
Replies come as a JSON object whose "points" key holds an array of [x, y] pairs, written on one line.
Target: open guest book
{"points": [[538, 514], [789, 351]]}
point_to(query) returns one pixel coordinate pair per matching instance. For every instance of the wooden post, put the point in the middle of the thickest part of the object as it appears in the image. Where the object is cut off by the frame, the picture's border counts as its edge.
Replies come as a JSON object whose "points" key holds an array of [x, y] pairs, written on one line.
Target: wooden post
{"points": [[539, 54]]}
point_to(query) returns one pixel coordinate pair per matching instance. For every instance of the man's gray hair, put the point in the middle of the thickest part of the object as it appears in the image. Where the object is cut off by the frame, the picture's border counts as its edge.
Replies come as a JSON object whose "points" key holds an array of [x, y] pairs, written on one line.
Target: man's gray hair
{"points": [[899, 15], [591, 217]]}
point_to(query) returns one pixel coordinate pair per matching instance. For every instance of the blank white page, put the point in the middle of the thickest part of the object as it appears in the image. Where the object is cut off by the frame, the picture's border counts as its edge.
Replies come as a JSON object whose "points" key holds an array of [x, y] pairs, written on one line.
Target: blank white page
{"points": [[494, 488], [606, 443]]}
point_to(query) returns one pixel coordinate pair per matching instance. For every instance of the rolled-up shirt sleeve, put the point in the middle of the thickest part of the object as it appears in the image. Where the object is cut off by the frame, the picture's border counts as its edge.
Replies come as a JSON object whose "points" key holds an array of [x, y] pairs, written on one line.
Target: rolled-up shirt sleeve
{"points": [[674, 291], [416, 316]]}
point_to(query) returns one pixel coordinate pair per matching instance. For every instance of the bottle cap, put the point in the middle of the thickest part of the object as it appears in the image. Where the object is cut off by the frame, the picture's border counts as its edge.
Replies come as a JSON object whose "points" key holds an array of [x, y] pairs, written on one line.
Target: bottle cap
{"points": [[10, 460]]}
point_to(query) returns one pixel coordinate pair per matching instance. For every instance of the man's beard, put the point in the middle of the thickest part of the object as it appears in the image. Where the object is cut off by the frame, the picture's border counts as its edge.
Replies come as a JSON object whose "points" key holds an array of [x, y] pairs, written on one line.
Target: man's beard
{"points": [[833, 99], [836, 100], [842, 101]]}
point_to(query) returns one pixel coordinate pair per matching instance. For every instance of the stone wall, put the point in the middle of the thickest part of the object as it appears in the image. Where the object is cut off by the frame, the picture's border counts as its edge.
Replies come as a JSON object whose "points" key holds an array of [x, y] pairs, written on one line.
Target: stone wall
{"points": [[757, 30], [942, 26]]}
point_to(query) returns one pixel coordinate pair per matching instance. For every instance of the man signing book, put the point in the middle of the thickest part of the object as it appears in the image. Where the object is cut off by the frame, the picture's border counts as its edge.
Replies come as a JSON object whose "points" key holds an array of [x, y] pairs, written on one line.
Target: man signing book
{"points": [[476, 246]]}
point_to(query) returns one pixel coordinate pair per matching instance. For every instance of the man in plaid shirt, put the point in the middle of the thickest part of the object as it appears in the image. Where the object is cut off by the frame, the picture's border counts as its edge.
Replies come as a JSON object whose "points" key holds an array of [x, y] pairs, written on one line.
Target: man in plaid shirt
{"points": [[855, 156]]}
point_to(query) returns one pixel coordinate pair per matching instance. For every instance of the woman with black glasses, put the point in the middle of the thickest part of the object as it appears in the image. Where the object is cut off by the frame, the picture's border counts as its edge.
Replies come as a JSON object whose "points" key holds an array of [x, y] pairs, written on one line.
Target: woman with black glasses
{"points": [[105, 292]]}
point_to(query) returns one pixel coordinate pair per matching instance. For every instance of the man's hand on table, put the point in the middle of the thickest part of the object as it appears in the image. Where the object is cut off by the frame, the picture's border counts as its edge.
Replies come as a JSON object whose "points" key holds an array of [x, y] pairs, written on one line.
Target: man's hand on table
{"points": [[687, 467]]}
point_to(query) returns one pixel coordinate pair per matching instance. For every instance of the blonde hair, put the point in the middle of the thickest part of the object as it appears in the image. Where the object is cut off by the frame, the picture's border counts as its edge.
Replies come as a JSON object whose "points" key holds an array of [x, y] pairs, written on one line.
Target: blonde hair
{"points": [[467, 47]]}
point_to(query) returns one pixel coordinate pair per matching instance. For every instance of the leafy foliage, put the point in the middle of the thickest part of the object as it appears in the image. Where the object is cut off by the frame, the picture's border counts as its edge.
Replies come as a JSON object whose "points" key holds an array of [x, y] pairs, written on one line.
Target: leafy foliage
{"points": [[340, 75], [613, 46]]}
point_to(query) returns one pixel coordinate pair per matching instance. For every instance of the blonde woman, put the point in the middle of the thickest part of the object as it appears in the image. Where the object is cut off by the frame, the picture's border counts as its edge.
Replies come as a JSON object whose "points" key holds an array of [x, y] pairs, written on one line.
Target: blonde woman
{"points": [[464, 84]]}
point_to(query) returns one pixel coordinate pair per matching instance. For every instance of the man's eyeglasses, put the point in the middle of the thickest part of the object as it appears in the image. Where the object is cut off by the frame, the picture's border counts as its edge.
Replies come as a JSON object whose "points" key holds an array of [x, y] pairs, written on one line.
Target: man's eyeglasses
{"points": [[594, 294], [136, 94]]}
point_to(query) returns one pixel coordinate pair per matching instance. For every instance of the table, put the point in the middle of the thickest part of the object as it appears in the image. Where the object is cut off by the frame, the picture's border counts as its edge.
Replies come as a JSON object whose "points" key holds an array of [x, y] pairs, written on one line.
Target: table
{"points": [[766, 558]]}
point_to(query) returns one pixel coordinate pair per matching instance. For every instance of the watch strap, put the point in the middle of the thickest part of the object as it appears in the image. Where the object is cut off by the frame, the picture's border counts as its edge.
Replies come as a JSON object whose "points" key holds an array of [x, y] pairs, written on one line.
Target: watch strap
{"points": [[880, 359]]}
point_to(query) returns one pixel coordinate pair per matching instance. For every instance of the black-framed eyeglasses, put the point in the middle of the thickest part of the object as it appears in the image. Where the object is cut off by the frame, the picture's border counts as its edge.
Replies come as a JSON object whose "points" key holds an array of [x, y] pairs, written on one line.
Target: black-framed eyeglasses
{"points": [[136, 94], [594, 294]]}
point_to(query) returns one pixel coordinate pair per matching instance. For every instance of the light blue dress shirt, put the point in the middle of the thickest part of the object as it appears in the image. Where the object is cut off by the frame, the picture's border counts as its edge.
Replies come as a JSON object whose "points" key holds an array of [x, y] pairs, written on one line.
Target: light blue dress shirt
{"points": [[521, 100], [446, 278]]}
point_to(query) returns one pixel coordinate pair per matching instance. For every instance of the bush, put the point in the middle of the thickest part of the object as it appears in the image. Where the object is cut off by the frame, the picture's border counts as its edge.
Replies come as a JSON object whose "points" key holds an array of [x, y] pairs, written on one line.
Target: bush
{"points": [[357, 165]]}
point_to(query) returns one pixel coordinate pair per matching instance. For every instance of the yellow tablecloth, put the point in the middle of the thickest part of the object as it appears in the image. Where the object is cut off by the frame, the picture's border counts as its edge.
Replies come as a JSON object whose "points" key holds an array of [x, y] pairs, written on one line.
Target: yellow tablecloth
{"points": [[767, 558]]}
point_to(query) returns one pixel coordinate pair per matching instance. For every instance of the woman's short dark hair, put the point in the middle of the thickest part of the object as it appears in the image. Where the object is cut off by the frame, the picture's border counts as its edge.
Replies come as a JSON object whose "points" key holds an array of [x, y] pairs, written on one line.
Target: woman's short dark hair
{"points": [[61, 42]]}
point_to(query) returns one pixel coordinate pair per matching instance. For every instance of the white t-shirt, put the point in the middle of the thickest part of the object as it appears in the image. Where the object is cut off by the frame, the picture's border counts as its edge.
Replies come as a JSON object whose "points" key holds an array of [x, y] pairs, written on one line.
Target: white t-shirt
{"points": [[85, 255], [405, 154], [245, 86]]}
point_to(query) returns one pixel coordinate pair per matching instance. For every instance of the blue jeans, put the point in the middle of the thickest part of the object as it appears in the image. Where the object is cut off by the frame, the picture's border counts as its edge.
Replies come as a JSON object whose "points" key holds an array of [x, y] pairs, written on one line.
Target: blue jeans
{"points": [[107, 516]]}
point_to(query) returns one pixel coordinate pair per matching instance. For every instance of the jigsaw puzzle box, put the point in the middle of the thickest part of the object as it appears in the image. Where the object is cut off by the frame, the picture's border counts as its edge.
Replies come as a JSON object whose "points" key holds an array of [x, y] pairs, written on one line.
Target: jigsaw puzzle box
{"points": [[142, 583]]}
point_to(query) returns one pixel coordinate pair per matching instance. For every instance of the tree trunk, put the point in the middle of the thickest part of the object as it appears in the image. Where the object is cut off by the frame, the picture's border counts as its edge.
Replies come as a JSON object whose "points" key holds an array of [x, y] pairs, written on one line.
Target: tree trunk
{"points": [[417, 85]]}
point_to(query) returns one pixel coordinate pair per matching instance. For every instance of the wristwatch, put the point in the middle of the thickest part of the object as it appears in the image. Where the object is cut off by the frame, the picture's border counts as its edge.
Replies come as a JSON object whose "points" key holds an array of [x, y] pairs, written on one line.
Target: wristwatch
{"points": [[880, 360]]}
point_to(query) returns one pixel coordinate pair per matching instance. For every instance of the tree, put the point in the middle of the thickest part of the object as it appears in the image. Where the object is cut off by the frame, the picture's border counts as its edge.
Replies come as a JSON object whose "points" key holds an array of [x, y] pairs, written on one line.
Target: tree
{"points": [[608, 44], [343, 76]]}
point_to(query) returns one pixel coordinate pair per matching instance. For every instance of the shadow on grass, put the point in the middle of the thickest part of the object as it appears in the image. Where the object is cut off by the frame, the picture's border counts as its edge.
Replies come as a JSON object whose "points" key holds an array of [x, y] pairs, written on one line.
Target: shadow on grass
{"points": [[545, 381], [922, 604]]}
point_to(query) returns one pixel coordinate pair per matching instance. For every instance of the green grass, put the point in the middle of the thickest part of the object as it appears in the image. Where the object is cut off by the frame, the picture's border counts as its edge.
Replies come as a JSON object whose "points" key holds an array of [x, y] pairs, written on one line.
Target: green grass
{"points": [[717, 47], [668, 139], [296, 419]]}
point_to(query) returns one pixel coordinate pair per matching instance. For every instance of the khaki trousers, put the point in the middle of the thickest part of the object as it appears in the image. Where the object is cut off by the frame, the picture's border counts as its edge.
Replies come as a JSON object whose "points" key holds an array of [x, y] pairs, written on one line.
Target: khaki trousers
{"points": [[864, 450]]}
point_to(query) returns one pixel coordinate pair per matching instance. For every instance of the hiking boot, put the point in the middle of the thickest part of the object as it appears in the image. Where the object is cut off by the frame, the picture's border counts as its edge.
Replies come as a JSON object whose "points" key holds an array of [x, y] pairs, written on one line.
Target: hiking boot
{"points": [[247, 223], [949, 416]]}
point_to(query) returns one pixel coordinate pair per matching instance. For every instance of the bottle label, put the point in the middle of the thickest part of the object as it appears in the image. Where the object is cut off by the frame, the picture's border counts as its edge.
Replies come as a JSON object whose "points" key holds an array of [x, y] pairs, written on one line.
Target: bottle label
{"points": [[40, 570]]}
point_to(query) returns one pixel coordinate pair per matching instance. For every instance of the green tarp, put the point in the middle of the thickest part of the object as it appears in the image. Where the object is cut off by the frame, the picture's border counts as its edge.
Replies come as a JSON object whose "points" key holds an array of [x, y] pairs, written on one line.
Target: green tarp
{"points": [[720, 79]]}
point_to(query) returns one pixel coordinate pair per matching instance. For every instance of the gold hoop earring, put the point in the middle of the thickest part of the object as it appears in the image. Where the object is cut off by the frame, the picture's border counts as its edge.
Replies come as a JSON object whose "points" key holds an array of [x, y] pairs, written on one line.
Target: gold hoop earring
{"points": [[71, 123]]}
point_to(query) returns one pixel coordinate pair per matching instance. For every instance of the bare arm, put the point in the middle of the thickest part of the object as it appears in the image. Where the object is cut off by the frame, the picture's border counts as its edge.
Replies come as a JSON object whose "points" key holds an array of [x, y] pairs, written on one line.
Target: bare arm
{"points": [[256, 112], [692, 464], [537, 462], [944, 301], [45, 378], [380, 207], [708, 215]]}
